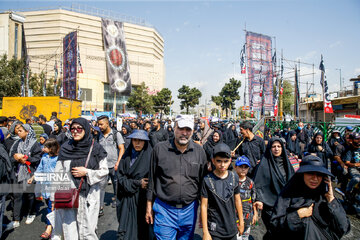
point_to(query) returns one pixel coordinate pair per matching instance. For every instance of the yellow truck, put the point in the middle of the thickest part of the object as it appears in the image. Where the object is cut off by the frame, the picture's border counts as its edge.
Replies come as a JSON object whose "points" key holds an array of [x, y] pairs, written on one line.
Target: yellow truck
{"points": [[26, 107]]}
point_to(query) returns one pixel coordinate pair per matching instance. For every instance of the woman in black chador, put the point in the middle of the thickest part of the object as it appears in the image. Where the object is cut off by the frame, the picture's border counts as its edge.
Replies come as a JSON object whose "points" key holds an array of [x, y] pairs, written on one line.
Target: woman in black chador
{"points": [[132, 183], [271, 175], [318, 147], [307, 208]]}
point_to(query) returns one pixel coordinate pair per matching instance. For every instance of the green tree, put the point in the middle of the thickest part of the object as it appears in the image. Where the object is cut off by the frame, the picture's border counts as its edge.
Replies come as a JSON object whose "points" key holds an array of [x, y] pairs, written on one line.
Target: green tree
{"points": [[140, 100], [228, 95], [189, 97], [288, 97], [10, 77], [162, 101]]}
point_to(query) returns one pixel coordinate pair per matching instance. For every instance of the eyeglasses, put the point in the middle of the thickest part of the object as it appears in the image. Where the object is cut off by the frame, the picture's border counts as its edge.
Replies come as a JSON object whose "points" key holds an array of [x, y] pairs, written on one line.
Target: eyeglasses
{"points": [[77, 129]]}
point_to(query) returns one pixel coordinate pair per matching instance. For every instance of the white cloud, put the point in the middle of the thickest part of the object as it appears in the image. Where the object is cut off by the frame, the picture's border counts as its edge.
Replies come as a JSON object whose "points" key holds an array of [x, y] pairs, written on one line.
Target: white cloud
{"points": [[186, 23], [219, 59], [308, 56], [335, 44], [177, 29], [198, 84], [357, 71]]}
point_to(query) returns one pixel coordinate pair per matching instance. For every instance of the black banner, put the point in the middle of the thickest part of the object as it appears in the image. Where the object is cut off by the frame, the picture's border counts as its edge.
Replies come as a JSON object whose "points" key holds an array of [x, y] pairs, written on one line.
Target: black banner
{"points": [[116, 56]]}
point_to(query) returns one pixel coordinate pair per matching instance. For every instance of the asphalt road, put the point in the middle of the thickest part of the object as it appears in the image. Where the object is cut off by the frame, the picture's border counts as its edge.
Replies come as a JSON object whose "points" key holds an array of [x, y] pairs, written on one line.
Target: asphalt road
{"points": [[107, 225]]}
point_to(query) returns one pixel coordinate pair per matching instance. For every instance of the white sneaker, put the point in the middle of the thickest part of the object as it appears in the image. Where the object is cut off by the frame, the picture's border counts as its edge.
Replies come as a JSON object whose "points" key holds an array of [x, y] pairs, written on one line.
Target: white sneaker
{"points": [[30, 219], [12, 225]]}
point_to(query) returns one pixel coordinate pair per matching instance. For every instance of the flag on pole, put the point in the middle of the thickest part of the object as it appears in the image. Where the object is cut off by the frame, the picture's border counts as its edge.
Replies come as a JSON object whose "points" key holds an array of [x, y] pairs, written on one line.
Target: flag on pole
{"points": [[327, 102], [242, 60], [55, 77], [26, 59], [80, 70], [297, 94], [273, 59]]}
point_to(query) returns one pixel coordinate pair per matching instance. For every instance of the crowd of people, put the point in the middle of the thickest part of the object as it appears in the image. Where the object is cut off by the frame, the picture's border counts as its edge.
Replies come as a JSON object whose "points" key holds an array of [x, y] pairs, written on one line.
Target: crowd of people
{"points": [[162, 171]]}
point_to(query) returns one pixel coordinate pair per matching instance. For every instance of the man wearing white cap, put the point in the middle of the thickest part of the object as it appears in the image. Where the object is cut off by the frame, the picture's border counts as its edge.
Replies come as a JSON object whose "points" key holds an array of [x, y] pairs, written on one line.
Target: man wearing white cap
{"points": [[177, 169]]}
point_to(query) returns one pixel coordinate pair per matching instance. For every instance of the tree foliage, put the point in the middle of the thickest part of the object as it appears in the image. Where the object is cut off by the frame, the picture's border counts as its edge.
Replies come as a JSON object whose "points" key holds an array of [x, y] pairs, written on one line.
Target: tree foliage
{"points": [[140, 100], [228, 95], [162, 101], [10, 79], [189, 97], [288, 97]]}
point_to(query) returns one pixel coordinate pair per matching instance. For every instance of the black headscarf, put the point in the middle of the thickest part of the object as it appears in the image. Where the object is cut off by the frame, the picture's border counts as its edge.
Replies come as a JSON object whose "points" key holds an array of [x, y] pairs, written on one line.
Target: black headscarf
{"points": [[269, 180], [293, 146], [231, 134], [58, 124], [128, 130], [77, 152], [313, 148]]}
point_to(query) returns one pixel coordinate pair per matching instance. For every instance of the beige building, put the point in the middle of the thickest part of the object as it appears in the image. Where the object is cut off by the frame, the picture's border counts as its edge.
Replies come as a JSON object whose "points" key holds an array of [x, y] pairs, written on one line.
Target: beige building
{"points": [[46, 29], [11, 34]]}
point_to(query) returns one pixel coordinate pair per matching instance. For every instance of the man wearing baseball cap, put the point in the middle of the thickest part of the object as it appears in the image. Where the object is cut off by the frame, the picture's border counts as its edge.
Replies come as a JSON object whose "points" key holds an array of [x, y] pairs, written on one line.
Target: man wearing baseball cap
{"points": [[178, 167]]}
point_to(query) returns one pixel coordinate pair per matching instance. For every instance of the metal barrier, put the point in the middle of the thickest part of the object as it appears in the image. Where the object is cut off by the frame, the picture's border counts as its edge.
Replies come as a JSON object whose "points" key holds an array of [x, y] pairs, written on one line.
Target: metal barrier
{"points": [[325, 127]]}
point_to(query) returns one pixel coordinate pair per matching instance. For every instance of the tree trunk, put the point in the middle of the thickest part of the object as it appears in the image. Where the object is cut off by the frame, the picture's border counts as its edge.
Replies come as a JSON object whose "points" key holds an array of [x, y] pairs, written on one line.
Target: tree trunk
{"points": [[187, 109]]}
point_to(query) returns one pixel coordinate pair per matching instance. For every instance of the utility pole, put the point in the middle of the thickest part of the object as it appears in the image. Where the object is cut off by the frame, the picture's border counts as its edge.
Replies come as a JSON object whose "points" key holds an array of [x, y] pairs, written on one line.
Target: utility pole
{"points": [[340, 79]]}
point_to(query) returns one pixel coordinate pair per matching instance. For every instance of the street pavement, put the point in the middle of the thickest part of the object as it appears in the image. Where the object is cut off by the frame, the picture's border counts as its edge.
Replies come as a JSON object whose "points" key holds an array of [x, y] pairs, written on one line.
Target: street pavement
{"points": [[107, 225]]}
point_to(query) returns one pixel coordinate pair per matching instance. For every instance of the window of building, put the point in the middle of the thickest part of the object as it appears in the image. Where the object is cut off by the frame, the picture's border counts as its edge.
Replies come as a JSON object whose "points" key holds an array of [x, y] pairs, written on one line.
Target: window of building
{"points": [[16, 40], [109, 99], [86, 94]]}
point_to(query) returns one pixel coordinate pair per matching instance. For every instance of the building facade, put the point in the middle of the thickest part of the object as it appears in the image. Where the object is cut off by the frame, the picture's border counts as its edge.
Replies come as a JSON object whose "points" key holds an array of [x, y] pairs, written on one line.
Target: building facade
{"points": [[45, 30], [11, 34]]}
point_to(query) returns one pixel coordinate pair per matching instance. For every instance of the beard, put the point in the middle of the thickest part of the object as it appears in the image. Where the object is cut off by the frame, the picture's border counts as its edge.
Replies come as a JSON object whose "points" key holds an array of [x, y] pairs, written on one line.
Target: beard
{"points": [[183, 140]]}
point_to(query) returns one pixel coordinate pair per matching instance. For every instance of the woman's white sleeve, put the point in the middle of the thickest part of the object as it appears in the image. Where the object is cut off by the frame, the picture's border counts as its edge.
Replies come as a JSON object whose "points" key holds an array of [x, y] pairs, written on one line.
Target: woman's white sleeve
{"points": [[59, 168], [95, 176]]}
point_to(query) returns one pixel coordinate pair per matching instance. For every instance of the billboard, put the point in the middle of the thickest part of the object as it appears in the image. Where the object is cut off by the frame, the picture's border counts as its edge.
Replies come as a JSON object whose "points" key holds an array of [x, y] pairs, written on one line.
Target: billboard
{"points": [[117, 64], [260, 71]]}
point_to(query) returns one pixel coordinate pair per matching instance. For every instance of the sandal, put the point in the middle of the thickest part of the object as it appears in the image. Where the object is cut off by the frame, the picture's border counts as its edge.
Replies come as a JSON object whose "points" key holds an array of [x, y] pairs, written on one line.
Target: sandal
{"points": [[45, 235]]}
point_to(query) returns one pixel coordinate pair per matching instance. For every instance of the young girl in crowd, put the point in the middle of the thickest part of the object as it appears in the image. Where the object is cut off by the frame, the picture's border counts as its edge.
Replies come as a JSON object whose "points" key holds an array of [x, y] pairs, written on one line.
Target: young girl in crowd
{"points": [[47, 165], [247, 195], [42, 140]]}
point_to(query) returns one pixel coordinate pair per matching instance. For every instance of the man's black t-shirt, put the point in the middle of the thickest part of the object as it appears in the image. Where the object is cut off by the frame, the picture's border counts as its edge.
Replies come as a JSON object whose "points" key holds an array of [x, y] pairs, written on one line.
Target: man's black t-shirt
{"points": [[221, 204]]}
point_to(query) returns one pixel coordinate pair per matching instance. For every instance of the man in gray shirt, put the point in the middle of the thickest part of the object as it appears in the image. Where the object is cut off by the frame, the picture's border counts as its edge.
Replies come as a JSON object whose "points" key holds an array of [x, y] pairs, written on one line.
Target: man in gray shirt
{"points": [[113, 143]]}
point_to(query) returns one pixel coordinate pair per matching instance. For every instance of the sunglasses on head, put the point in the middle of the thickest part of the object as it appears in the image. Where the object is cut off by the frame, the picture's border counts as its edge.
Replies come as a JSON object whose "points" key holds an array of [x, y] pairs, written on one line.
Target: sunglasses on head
{"points": [[77, 129]]}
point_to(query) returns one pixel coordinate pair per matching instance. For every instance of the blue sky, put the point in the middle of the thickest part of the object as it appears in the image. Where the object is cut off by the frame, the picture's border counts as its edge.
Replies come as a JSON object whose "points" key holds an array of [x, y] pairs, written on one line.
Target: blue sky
{"points": [[203, 39]]}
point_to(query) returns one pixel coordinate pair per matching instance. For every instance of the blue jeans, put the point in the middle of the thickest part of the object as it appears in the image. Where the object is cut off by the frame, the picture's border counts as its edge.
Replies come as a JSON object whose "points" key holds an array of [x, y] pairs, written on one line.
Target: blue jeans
{"points": [[49, 204], [174, 223]]}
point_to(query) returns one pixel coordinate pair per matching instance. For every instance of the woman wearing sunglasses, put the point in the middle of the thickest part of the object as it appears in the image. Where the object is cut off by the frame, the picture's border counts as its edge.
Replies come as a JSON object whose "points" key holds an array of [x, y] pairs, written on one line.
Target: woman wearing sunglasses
{"points": [[81, 223]]}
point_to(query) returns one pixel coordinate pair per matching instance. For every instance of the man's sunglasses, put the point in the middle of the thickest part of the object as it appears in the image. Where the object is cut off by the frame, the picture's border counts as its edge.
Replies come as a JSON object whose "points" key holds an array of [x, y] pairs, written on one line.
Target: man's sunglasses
{"points": [[77, 129]]}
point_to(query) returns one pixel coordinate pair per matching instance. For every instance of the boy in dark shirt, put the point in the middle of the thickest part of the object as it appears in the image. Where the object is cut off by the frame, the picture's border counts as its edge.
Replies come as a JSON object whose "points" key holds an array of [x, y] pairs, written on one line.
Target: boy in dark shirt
{"points": [[247, 194], [220, 199]]}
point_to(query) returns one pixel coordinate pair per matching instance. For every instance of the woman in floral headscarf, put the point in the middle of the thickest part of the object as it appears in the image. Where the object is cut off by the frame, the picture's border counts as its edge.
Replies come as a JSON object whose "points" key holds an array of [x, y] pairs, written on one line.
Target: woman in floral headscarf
{"points": [[25, 154]]}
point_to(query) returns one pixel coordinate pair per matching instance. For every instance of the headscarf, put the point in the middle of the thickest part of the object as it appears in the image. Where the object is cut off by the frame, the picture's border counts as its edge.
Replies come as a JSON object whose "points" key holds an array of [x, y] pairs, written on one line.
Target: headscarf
{"points": [[45, 136], [77, 152], [128, 130], [211, 139], [24, 147], [205, 133], [293, 146], [231, 134], [12, 135], [58, 124], [268, 178]]}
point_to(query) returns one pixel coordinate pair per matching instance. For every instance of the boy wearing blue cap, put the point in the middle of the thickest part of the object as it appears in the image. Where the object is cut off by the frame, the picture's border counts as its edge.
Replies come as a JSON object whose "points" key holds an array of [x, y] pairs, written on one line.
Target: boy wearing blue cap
{"points": [[247, 194], [220, 199]]}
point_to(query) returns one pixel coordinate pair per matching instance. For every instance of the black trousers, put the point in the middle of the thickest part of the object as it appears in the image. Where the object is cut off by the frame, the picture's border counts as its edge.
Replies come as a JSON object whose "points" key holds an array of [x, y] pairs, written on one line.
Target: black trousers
{"points": [[23, 199], [232, 238]]}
